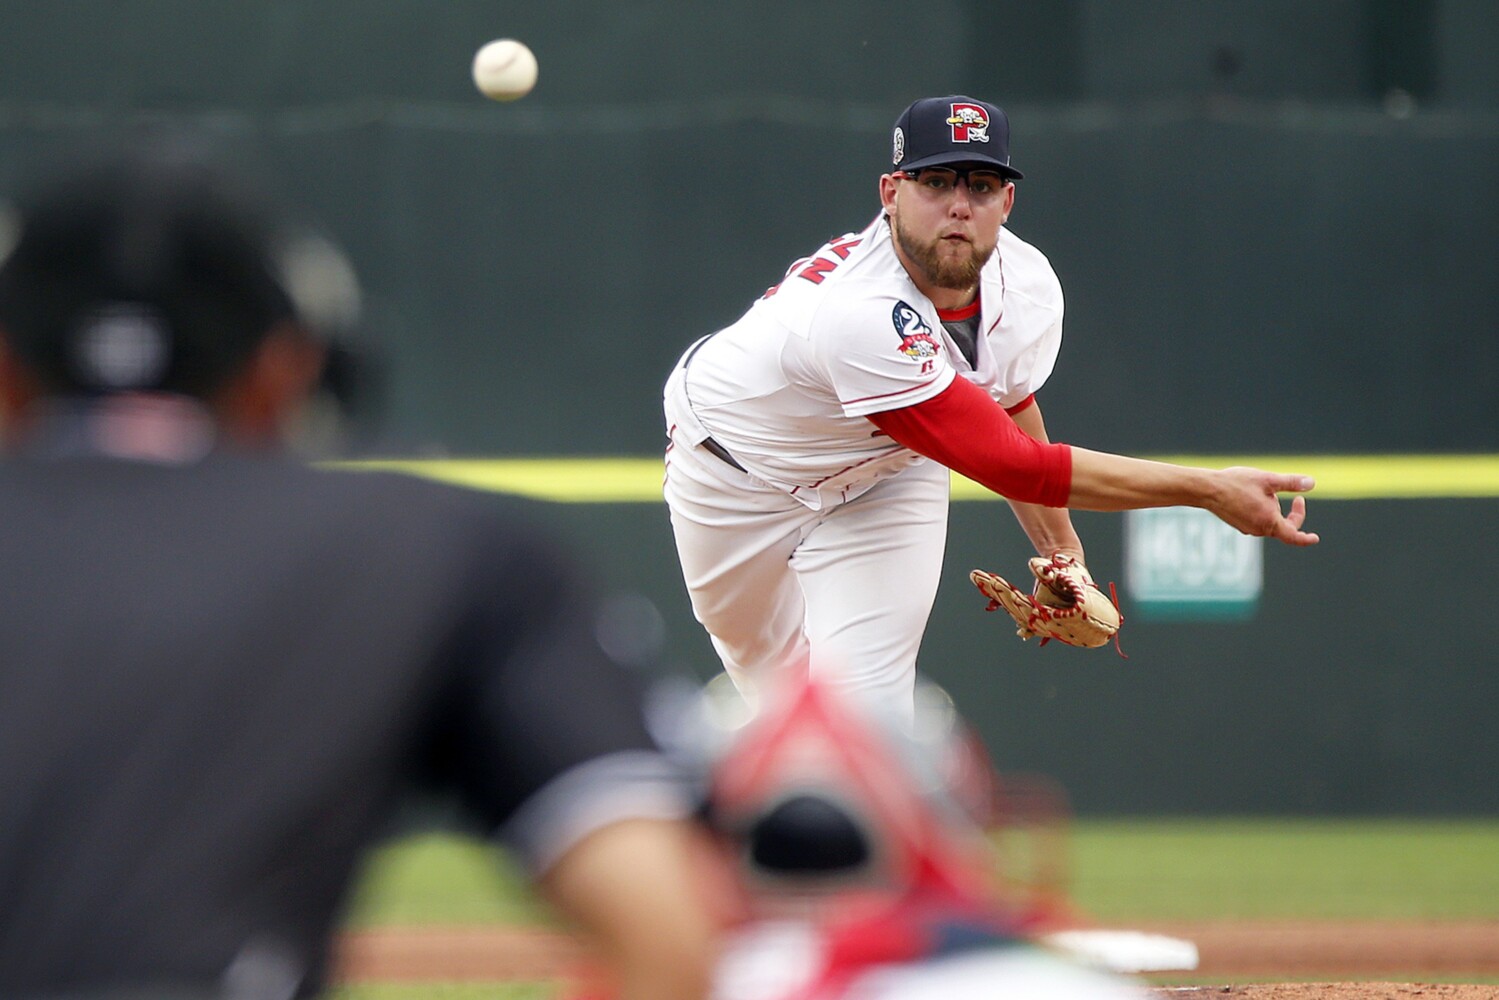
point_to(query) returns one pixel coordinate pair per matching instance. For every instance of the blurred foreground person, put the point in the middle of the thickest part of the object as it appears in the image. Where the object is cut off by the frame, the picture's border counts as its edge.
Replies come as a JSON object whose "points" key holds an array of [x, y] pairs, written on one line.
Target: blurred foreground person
{"points": [[863, 863], [219, 668]]}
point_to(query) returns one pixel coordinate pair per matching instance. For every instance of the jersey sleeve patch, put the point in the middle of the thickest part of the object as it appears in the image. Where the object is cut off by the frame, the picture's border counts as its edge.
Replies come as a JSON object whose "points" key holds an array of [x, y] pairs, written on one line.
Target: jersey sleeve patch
{"points": [[874, 350], [917, 340]]}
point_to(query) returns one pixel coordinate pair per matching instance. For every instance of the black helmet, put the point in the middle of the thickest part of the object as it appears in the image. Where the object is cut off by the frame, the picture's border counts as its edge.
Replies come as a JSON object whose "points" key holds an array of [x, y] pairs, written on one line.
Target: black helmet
{"points": [[144, 271]]}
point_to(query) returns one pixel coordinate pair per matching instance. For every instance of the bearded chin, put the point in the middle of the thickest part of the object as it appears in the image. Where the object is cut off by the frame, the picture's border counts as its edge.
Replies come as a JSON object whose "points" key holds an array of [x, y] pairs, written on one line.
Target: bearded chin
{"points": [[944, 272]]}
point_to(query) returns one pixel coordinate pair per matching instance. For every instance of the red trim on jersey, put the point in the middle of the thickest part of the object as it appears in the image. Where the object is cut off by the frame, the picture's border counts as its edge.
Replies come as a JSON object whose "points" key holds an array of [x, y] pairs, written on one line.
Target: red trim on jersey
{"points": [[1024, 404], [887, 395], [849, 468], [959, 314], [999, 257], [965, 430]]}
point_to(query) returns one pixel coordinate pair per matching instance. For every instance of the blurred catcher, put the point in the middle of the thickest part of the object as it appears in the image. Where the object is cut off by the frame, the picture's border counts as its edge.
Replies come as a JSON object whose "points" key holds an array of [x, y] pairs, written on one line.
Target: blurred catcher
{"points": [[864, 868], [220, 670]]}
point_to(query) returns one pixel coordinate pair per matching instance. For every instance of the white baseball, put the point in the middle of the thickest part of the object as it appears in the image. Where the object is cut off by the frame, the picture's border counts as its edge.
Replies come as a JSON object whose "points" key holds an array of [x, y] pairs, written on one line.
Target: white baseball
{"points": [[504, 70]]}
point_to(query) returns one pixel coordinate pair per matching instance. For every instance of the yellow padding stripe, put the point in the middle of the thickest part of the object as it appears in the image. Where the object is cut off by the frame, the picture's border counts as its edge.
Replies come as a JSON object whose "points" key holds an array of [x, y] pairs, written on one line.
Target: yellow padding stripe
{"points": [[638, 480], [571, 480]]}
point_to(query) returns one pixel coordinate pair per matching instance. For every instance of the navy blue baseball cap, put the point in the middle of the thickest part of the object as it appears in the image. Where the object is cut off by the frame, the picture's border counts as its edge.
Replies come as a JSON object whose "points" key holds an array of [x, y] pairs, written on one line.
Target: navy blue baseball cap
{"points": [[942, 131]]}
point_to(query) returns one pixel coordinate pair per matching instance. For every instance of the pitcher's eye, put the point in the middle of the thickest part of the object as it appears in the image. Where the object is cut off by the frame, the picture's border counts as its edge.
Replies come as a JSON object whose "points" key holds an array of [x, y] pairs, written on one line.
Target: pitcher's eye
{"points": [[938, 180]]}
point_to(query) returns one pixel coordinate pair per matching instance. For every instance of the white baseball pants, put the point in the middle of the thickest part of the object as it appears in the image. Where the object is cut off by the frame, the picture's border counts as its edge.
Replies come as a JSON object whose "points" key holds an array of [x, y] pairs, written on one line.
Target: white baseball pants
{"points": [[846, 589]]}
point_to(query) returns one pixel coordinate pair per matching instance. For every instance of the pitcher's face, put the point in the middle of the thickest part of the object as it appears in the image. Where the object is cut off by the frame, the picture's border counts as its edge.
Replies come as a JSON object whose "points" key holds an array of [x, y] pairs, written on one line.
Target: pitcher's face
{"points": [[946, 221]]}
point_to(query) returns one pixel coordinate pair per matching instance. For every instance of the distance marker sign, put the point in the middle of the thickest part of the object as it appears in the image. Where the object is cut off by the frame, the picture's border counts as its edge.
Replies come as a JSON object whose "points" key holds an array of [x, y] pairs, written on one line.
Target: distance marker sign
{"points": [[1183, 564]]}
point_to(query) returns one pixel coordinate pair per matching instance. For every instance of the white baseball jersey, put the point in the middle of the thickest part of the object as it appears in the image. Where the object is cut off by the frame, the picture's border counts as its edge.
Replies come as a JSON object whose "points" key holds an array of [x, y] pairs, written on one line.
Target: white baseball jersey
{"points": [[787, 388], [803, 531]]}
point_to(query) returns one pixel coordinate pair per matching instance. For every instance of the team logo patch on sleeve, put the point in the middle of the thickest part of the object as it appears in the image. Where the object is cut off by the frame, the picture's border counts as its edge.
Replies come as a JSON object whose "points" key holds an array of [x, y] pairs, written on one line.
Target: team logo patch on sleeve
{"points": [[916, 340]]}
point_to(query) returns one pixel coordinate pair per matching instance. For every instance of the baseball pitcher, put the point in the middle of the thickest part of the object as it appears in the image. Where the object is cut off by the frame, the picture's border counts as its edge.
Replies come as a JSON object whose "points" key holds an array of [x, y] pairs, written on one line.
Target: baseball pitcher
{"points": [[810, 441]]}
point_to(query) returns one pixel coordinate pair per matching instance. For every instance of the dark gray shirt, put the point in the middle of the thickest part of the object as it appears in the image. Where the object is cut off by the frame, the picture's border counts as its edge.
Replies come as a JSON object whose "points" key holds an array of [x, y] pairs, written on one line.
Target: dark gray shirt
{"points": [[217, 678]]}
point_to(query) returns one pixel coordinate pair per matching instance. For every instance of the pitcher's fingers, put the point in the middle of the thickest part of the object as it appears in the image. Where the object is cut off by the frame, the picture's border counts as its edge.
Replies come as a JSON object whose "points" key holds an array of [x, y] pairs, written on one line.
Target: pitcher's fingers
{"points": [[1289, 483], [1297, 516], [1291, 535]]}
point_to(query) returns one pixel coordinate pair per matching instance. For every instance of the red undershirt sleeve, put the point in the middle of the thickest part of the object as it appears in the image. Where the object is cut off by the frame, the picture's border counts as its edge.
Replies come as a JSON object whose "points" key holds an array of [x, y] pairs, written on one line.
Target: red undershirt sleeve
{"points": [[970, 433]]}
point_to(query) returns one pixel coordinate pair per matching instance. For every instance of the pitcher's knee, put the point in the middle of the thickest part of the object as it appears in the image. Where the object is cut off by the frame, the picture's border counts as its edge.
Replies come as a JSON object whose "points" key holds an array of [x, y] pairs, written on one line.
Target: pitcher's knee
{"points": [[755, 653]]}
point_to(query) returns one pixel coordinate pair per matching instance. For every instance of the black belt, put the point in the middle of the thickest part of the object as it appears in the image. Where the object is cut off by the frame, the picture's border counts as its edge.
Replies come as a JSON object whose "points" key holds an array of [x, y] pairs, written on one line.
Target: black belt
{"points": [[720, 451], [713, 447]]}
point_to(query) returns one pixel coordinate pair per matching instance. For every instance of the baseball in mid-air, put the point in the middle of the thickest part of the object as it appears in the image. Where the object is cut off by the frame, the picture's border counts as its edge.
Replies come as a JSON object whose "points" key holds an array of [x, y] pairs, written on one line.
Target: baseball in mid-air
{"points": [[504, 70]]}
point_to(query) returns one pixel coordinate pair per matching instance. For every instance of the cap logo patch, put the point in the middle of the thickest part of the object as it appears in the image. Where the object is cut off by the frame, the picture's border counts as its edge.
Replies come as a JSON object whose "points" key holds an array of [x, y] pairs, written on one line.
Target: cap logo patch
{"points": [[900, 146], [970, 123], [916, 340]]}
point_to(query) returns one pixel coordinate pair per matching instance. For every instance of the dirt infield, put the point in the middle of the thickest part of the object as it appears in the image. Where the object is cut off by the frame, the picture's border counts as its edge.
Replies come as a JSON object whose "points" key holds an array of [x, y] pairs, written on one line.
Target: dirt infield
{"points": [[1340, 991], [1238, 950]]}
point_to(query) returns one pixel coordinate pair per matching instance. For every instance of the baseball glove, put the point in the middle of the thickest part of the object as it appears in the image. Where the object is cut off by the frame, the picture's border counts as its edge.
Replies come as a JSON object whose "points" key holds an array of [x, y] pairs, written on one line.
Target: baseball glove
{"points": [[1066, 604]]}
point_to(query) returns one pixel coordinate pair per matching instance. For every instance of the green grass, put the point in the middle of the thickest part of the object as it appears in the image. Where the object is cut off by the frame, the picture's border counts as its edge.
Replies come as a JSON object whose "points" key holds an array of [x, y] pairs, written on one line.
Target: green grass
{"points": [[1121, 870], [1238, 869], [442, 879]]}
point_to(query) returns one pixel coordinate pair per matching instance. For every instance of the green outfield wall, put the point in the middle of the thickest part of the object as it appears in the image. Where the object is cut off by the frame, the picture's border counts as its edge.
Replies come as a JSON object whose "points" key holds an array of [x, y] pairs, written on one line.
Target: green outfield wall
{"points": [[1276, 223], [1332, 696], [1335, 697]]}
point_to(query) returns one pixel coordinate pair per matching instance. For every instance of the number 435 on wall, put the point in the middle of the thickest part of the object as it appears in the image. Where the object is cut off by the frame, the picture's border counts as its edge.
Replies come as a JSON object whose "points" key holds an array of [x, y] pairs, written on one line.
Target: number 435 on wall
{"points": [[1183, 564]]}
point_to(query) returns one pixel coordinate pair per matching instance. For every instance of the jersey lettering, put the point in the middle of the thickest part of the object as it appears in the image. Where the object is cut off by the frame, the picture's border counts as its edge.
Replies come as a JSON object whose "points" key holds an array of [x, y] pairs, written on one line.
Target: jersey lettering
{"points": [[820, 266], [814, 269], [844, 246], [789, 272], [817, 270]]}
